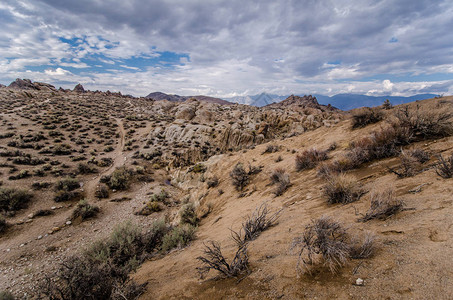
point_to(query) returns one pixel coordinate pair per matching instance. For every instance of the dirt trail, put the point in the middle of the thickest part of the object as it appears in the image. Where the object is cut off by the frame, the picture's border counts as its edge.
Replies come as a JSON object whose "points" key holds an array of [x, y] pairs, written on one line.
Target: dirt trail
{"points": [[118, 160]]}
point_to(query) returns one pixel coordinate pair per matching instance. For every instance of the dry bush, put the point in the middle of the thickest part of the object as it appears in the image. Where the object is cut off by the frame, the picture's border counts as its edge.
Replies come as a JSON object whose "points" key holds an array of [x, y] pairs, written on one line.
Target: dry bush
{"points": [[342, 188], [366, 116], [281, 178], [260, 220], [362, 248], [120, 178], [101, 191], [410, 163], [83, 168], [213, 259], [12, 199], [444, 167], [323, 241], [271, 149], [425, 124], [213, 182], [309, 159], [67, 184], [149, 208], [383, 205], [84, 211], [61, 196], [188, 214], [240, 177]]}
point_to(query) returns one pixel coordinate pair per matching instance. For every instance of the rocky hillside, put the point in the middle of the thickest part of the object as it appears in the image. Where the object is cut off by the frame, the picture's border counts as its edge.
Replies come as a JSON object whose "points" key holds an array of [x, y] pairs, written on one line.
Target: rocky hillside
{"points": [[130, 196], [176, 98]]}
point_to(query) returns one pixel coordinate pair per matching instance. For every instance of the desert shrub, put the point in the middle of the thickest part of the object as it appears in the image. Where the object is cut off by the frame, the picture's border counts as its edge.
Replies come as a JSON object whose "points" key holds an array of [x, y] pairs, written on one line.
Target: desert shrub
{"points": [[444, 167], [409, 165], [420, 155], [362, 248], [101, 191], [12, 199], [22, 174], [309, 159], [5, 295], [61, 196], [366, 116], [323, 241], [281, 178], [149, 208], [83, 168], [198, 168], [179, 237], [387, 105], [383, 205], [260, 220], [42, 213], [188, 214], [67, 184], [153, 238], [342, 188], [162, 196], [425, 124], [213, 259], [120, 179], [271, 149], [213, 182], [84, 211], [240, 177], [3, 225]]}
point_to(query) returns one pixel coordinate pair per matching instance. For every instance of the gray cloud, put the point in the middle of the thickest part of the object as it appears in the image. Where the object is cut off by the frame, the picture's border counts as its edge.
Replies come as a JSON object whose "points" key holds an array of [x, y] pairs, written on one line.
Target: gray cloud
{"points": [[275, 43]]}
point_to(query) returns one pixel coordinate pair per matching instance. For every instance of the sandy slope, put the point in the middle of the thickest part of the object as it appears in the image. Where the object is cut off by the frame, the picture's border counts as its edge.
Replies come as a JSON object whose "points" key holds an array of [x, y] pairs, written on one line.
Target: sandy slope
{"points": [[414, 247]]}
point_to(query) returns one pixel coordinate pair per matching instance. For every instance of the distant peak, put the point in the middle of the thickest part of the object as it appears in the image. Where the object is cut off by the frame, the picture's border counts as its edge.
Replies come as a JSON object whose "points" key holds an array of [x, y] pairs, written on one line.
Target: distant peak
{"points": [[79, 88]]}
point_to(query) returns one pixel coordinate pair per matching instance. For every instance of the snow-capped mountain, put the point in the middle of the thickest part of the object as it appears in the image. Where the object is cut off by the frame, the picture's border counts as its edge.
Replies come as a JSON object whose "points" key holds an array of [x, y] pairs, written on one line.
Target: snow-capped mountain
{"points": [[259, 100]]}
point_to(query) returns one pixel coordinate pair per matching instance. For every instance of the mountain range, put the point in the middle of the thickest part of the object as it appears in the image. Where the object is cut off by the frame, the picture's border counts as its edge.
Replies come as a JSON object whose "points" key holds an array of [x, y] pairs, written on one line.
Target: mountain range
{"points": [[341, 101]]}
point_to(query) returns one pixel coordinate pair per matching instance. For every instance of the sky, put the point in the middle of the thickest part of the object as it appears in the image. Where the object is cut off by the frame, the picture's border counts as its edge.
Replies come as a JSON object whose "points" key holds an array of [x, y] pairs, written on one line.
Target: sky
{"points": [[231, 48]]}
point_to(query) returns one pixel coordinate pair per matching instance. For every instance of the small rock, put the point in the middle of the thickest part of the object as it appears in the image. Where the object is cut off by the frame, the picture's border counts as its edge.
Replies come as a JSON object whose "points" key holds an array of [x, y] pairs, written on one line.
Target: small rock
{"points": [[21, 245], [53, 208], [39, 237], [29, 220], [359, 281], [68, 222], [30, 216]]}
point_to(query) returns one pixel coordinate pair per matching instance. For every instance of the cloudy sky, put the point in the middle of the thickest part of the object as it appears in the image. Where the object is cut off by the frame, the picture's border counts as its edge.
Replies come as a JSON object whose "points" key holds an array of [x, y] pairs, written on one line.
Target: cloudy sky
{"points": [[228, 48]]}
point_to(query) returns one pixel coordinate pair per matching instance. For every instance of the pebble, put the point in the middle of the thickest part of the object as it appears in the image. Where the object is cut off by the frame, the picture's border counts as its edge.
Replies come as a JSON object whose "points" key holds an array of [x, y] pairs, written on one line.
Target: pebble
{"points": [[39, 237], [359, 281], [53, 208], [68, 222]]}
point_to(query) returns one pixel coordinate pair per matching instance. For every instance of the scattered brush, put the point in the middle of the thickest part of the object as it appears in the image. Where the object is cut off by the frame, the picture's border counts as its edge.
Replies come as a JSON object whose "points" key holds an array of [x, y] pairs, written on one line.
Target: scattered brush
{"points": [[260, 220], [213, 182], [383, 205], [188, 214], [444, 167], [214, 259], [309, 159], [179, 237], [281, 178], [342, 188], [366, 116]]}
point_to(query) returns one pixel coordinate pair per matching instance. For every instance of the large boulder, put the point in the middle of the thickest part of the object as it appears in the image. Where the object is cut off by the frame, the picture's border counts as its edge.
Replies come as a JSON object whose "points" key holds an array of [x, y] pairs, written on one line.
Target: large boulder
{"points": [[23, 84]]}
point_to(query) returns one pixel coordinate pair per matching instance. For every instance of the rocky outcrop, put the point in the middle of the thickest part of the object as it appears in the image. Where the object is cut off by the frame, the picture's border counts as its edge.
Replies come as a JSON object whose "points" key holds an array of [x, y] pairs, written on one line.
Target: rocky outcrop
{"points": [[79, 88], [23, 84], [27, 84]]}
